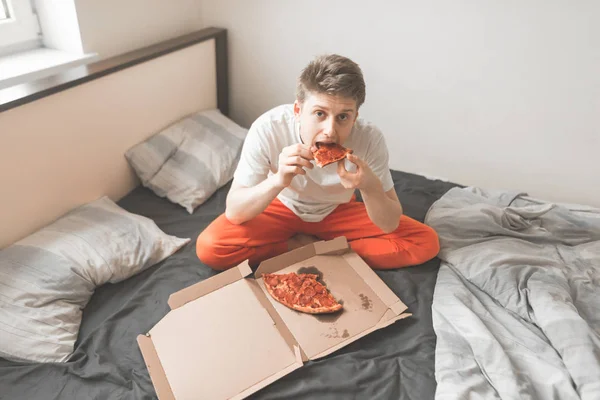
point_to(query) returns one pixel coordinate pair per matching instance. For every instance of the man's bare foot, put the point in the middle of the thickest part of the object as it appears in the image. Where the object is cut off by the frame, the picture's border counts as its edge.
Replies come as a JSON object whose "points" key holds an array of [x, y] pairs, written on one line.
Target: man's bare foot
{"points": [[301, 240]]}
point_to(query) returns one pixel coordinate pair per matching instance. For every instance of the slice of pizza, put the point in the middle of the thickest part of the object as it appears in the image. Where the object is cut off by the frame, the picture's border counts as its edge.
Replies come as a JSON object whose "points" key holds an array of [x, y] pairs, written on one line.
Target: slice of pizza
{"points": [[328, 153], [301, 292]]}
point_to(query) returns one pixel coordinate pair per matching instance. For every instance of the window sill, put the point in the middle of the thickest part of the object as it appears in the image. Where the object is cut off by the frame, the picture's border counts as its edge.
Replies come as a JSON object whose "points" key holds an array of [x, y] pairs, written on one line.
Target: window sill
{"points": [[37, 63], [32, 90]]}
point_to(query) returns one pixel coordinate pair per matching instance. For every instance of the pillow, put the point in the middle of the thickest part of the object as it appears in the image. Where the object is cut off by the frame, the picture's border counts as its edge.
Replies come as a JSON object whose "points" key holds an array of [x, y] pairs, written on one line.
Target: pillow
{"points": [[47, 278], [191, 159]]}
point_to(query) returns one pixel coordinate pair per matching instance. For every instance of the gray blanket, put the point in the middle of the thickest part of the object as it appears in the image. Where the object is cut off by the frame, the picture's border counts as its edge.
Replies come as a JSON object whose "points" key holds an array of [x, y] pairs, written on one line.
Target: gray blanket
{"points": [[516, 307]]}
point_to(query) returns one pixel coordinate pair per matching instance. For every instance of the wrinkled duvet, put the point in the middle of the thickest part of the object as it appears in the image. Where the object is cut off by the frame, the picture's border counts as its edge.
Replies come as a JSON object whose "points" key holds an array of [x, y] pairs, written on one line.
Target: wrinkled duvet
{"points": [[516, 306]]}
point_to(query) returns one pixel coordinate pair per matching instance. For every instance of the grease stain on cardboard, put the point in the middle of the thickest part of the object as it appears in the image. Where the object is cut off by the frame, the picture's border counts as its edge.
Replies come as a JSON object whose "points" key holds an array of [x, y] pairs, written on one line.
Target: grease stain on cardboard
{"points": [[335, 334], [330, 318], [312, 270], [367, 303]]}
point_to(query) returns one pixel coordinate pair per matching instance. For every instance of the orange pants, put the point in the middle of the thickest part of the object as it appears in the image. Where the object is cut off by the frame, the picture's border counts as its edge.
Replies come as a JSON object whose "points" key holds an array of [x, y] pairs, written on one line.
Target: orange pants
{"points": [[223, 245]]}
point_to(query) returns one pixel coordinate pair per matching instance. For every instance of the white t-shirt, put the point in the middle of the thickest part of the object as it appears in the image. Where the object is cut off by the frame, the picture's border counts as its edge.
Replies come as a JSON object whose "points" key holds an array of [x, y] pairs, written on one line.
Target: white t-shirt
{"points": [[314, 195]]}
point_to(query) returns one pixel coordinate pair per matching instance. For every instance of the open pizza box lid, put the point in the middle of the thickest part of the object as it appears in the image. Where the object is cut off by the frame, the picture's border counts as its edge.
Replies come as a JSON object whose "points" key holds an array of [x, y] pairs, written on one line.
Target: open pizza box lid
{"points": [[226, 337]]}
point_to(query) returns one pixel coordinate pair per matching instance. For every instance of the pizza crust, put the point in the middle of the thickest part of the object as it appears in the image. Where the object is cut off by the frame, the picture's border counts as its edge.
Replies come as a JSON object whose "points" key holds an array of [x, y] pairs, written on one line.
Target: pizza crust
{"points": [[321, 310]]}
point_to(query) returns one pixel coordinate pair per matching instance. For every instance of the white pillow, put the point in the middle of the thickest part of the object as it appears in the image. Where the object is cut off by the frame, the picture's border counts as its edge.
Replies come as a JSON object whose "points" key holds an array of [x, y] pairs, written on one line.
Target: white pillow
{"points": [[191, 159], [47, 278]]}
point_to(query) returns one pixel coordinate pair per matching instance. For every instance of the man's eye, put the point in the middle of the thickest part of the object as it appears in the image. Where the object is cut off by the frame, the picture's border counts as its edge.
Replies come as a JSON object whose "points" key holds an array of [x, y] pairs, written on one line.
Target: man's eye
{"points": [[343, 117], [319, 114]]}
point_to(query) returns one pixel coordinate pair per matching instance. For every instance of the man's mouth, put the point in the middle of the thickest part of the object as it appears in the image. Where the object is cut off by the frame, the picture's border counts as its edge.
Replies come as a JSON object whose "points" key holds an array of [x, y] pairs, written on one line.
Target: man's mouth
{"points": [[328, 141]]}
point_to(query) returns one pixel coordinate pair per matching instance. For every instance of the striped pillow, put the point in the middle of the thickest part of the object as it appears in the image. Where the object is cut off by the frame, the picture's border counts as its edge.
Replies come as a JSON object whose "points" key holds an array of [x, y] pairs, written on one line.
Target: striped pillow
{"points": [[191, 159], [47, 278]]}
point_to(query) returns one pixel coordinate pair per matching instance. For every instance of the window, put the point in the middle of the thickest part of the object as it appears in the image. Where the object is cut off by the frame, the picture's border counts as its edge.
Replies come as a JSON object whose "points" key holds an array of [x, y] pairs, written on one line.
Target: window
{"points": [[19, 28], [39, 38], [3, 10]]}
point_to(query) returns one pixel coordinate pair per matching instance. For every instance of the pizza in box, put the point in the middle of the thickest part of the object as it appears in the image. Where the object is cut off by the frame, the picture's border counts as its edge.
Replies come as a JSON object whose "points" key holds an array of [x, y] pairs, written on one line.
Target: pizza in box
{"points": [[301, 292]]}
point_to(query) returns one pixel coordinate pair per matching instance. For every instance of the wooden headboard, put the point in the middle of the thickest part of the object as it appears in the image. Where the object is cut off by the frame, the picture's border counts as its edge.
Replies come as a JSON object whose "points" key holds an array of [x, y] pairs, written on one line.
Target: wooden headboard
{"points": [[63, 138]]}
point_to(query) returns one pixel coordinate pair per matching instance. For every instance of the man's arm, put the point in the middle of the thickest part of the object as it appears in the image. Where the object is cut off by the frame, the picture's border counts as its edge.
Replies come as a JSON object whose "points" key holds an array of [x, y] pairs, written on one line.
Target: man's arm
{"points": [[383, 208], [245, 203]]}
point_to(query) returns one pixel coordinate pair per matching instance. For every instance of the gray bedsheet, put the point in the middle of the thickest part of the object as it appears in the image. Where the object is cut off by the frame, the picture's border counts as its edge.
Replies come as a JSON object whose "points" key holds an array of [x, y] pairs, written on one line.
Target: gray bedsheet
{"points": [[393, 363], [516, 307]]}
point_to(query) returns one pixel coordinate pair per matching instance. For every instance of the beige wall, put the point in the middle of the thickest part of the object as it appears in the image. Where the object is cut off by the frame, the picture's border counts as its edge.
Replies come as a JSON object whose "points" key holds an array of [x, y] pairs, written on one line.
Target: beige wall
{"points": [[497, 94], [111, 27], [68, 149]]}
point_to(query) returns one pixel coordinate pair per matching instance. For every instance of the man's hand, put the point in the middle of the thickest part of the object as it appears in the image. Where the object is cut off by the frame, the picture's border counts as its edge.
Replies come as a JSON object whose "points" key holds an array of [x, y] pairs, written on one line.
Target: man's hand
{"points": [[292, 161], [363, 179], [245, 203], [384, 208]]}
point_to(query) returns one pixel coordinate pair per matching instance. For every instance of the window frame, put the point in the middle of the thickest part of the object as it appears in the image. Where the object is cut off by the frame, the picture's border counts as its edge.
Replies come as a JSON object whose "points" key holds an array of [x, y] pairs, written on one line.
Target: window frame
{"points": [[21, 28], [6, 10]]}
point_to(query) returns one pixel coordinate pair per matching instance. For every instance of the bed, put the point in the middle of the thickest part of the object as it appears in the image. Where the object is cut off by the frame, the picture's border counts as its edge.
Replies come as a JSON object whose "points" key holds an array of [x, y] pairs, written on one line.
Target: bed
{"points": [[191, 73], [396, 362], [406, 360]]}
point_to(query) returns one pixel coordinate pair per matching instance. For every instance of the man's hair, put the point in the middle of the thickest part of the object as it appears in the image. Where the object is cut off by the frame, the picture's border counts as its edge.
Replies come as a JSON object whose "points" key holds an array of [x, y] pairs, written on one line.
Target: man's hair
{"points": [[334, 75]]}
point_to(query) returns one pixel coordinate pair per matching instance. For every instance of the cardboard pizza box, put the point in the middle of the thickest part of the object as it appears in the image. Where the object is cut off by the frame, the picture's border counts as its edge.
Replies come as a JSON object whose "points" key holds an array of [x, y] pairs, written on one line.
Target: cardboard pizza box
{"points": [[226, 337]]}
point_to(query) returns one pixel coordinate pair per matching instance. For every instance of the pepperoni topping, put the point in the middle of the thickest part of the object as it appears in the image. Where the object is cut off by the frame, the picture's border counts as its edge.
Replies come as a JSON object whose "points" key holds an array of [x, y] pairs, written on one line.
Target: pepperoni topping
{"points": [[304, 300], [290, 297], [272, 281], [299, 289], [325, 301]]}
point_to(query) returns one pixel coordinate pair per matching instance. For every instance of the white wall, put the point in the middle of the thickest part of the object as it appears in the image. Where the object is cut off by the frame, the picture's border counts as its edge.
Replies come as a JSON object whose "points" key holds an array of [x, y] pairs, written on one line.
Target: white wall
{"points": [[497, 94], [112, 27], [60, 27]]}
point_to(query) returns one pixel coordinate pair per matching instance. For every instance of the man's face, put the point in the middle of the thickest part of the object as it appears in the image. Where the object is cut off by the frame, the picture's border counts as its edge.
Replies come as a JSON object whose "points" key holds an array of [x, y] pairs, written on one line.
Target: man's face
{"points": [[325, 118]]}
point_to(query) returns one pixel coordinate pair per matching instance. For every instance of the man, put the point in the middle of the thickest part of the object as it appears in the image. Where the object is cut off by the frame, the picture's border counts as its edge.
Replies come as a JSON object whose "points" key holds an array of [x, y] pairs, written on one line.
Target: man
{"points": [[278, 192]]}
